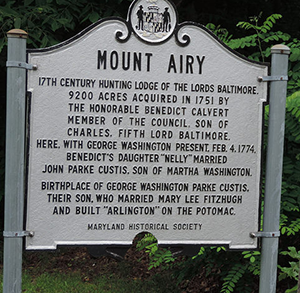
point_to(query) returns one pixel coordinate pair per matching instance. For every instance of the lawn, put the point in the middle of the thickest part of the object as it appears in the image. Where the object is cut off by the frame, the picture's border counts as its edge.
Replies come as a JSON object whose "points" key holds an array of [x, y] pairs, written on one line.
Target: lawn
{"points": [[75, 270]]}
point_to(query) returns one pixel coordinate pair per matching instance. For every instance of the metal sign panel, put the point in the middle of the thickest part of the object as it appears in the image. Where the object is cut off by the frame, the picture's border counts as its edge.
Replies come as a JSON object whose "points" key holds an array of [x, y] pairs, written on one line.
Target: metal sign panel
{"points": [[144, 125]]}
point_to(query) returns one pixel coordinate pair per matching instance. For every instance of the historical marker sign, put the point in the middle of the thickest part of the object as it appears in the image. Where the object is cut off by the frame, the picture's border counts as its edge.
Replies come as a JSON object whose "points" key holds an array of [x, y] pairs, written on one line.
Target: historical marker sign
{"points": [[144, 125]]}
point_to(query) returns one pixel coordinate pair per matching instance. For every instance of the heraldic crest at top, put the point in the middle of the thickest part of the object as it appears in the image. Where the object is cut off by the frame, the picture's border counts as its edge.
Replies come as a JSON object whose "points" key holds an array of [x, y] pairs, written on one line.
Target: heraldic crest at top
{"points": [[153, 21]]}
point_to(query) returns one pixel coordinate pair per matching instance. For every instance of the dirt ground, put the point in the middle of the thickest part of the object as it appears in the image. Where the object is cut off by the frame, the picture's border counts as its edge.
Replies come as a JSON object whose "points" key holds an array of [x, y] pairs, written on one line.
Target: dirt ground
{"points": [[78, 259]]}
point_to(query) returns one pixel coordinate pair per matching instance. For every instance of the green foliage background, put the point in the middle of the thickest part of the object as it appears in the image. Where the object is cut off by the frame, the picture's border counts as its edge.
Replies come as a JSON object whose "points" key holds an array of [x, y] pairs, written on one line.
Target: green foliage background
{"points": [[243, 27]]}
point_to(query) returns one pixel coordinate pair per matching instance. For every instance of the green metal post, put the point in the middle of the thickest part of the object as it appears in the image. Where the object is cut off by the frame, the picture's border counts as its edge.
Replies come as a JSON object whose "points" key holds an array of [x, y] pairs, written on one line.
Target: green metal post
{"points": [[14, 161], [279, 65]]}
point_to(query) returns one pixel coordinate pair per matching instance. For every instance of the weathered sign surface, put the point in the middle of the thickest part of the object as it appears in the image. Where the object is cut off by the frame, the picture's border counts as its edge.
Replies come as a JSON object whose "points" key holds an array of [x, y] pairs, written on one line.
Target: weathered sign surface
{"points": [[144, 125]]}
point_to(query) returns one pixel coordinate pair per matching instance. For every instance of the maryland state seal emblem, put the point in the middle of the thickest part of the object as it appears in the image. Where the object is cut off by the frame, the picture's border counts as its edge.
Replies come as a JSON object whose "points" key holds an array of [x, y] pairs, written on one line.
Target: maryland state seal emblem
{"points": [[153, 21]]}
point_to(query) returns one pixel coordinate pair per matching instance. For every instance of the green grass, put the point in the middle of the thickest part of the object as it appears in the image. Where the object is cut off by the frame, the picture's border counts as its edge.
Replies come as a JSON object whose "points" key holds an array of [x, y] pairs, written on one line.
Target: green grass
{"points": [[73, 282], [72, 270], [56, 283]]}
